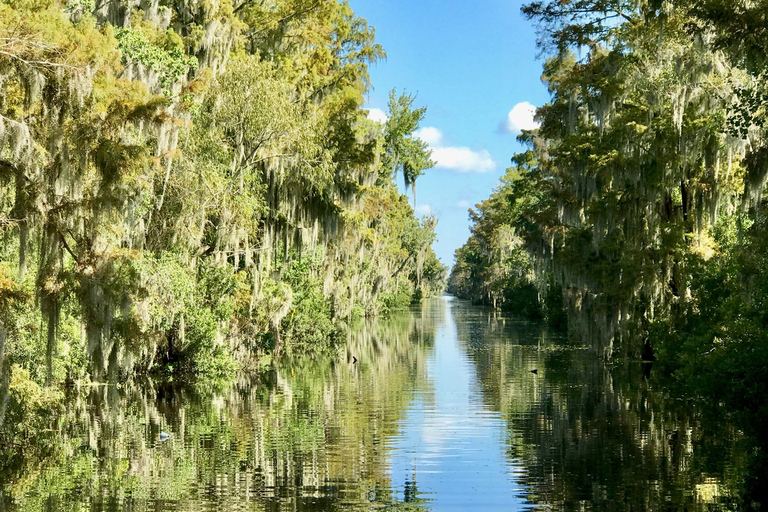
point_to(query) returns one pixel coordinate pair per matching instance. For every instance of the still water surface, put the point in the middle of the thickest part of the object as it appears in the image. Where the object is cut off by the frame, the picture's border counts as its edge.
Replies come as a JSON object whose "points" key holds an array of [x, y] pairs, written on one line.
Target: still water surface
{"points": [[441, 411]]}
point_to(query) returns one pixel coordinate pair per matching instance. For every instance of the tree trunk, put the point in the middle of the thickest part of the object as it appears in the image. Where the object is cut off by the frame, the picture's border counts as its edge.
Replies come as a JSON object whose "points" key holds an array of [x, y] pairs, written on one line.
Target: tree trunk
{"points": [[684, 195], [4, 377]]}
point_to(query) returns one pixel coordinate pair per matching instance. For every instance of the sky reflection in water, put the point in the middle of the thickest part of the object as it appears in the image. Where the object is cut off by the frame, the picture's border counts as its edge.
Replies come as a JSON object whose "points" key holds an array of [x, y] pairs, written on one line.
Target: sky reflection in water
{"points": [[450, 442]]}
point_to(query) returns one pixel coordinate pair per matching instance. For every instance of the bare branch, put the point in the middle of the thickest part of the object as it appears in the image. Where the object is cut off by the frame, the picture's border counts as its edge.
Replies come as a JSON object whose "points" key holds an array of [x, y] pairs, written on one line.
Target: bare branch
{"points": [[27, 51]]}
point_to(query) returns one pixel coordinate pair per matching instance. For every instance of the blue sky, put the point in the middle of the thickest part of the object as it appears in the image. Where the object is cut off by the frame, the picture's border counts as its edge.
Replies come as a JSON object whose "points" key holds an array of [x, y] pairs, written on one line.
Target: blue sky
{"points": [[470, 66]]}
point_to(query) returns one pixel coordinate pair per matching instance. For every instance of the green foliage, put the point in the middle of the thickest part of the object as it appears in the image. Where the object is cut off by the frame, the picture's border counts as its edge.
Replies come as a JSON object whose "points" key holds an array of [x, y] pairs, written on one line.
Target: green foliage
{"points": [[12, 296], [177, 234], [403, 152], [495, 266], [631, 167], [79, 7], [170, 65], [399, 297], [24, 430], [28, 399], [308, 326], [565, 25]]}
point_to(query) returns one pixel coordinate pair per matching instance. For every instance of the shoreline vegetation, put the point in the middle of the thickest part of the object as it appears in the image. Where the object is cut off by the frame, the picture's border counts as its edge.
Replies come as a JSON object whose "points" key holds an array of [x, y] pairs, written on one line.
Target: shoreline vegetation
{"points": [[192, 188], [636, 218]]}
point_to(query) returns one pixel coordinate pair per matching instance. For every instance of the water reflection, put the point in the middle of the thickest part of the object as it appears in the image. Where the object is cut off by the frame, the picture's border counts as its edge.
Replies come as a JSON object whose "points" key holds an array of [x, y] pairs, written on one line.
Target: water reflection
{"points": [[310, 435], [594, 436], [451, 441], [433, 409]]}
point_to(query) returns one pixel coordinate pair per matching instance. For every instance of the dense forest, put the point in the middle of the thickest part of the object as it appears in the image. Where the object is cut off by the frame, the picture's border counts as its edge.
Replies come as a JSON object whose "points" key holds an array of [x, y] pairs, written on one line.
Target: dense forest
{"points": [[636, 216], [188, 188]]}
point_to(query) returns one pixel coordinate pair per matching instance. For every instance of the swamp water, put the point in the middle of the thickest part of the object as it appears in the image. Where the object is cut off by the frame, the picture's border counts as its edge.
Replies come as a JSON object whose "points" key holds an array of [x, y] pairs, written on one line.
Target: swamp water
{"points": [[442, 410]]}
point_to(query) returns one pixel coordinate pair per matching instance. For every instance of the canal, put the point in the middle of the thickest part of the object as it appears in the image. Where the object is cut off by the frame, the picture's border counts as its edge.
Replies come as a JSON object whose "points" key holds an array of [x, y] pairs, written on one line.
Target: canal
{"points": [[444, 407]]}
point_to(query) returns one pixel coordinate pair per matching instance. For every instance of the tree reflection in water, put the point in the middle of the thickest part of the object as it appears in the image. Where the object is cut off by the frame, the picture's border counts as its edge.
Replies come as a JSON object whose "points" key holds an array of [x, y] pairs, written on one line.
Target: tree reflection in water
{"points": [[306, 435], [597, 436], [319, 434]]}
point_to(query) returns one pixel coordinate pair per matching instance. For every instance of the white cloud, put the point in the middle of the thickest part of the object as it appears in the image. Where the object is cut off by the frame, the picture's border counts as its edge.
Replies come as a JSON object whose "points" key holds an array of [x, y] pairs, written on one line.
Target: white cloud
{"points": [[464, 204], [463, 159], [520, 118], [424, 209], [378, 115], [457, 158], [430, 135]]}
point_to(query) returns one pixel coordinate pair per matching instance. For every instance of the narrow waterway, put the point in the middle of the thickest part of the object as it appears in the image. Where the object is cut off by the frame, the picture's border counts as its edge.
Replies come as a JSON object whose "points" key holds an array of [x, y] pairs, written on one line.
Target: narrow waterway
{"points": [[445, 407], [451, 443]]}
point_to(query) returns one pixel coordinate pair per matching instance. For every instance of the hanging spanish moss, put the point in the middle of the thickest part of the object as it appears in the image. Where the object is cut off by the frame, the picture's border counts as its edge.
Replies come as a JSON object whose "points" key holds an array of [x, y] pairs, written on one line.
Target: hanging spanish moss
{"points": [[191, 186], [645, 154]]}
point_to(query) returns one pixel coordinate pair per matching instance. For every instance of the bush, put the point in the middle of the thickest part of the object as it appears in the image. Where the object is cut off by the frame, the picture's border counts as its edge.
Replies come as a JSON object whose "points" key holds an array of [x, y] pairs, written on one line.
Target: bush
{"points": [[308, 327], [394, 299]]}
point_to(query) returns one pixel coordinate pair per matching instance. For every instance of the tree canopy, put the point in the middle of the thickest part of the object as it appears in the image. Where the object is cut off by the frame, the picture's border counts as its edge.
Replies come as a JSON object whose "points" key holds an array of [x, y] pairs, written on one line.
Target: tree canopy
{"points": [[190, 187]]}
